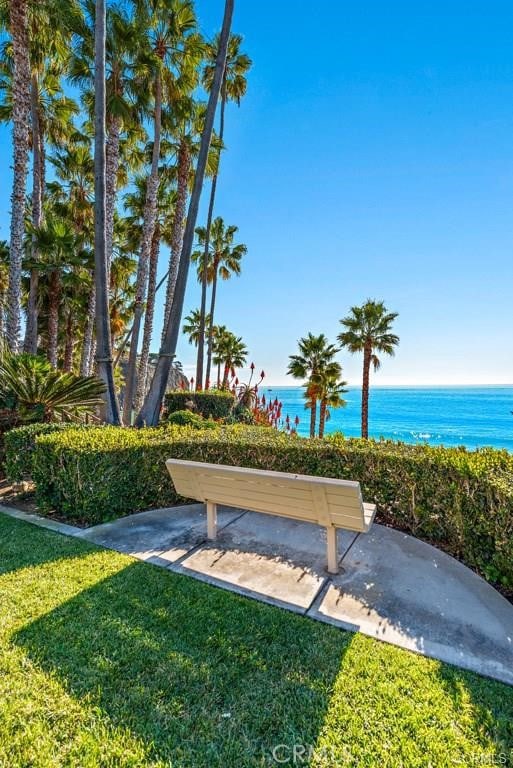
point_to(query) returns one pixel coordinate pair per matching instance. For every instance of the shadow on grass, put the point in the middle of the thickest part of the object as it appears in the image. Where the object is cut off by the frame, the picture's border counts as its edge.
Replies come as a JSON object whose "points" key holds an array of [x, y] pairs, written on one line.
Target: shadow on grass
{"points": [[201, 676], [23, 545], [492, 709]]}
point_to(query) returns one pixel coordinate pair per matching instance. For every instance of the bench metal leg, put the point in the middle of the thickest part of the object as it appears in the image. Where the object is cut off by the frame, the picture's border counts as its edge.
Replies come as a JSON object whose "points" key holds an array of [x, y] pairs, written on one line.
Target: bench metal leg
{"points": [[211, 520], [331, 534]]}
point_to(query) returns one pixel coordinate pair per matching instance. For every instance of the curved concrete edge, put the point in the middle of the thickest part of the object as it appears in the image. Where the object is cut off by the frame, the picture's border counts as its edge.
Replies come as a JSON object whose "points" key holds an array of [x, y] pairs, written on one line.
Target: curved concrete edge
{"points": [[404, 591]]}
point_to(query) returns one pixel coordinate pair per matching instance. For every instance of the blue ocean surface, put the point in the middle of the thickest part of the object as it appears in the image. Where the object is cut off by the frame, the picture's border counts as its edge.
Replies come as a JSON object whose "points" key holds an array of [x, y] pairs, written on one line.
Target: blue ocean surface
{"points": [[468, 416]]}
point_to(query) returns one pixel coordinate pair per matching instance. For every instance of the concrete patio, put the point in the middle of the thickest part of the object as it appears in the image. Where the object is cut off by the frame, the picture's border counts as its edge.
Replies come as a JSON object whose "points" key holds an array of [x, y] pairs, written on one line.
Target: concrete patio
{"points": [[391, 586]]}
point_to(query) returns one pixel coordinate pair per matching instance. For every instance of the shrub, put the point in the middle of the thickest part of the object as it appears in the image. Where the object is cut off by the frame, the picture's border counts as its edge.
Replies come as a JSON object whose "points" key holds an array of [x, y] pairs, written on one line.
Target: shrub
{"points": [[241, 415], [462, 500], [102, 473], [213, 404], [8, 420], [19, 449], [190, 419]]}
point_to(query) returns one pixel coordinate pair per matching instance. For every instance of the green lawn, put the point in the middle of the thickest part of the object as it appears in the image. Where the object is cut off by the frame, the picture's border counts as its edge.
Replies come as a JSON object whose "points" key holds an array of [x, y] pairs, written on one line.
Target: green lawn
{"points": [[106, 661]]}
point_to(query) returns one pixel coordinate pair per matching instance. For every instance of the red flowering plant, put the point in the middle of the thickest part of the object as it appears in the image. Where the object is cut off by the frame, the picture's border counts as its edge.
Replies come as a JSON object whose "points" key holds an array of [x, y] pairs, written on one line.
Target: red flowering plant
{"points": [[251, 407]]}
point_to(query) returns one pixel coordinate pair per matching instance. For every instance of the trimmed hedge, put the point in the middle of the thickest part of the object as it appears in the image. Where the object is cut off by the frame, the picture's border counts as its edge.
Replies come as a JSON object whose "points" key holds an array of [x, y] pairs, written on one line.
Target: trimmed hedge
{"points": [[462, 500], [211, 405], [20, 443]]}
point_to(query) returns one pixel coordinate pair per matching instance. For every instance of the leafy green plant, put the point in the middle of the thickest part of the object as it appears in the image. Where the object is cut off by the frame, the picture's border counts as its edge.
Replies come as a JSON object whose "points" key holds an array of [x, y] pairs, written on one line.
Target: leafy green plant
{"points": [[36, 392], [462, 500], [240, 415], [213, 404], [190, 419]]}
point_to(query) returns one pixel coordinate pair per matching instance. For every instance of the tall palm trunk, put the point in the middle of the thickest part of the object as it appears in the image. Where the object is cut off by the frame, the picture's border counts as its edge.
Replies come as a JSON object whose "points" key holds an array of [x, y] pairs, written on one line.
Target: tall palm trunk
{"points": [[218, 376], [103, 343], [54, 298], [210, 342], [69, 343], [226, 372], [184, 167], [203, 307], [150, 412], [18, 21], [111, 179], [142, 375], [149, 218], [92, 359], [87, 342], [2, 314], [31, 334], [367, 352], [322, 417], [313, 416]]}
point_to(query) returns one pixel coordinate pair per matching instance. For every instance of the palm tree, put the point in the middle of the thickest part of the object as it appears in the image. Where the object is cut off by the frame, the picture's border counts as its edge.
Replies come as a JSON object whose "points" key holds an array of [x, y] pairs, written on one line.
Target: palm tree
{"points": [[368, 330], [135, 204], [125, 93], [328, 390], [72, 194], [150, 412], [49, 23], [219, 331], [230, 352], [58, 248], [191, 326], [60, 252], [51, 114], [233, 88], [76, 286], [18, 23], [172, 61], [103, 340], [4, 276], [187, 124], [315, 354], [223, 261], [71, 198], [122, 292]]}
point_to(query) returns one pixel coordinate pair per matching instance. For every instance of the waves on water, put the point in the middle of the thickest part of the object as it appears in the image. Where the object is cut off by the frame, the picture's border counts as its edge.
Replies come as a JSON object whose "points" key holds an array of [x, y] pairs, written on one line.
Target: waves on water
{"points": [[466, 416]]}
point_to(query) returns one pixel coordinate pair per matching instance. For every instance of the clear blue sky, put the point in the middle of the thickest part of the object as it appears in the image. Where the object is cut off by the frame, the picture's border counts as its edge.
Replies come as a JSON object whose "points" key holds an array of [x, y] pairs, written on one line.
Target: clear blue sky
{"points": [[372, 157]]}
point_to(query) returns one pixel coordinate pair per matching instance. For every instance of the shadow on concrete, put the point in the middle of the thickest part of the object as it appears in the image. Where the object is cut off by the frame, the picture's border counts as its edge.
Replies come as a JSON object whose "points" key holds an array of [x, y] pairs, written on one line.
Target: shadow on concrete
{"points": [[401, 590]]}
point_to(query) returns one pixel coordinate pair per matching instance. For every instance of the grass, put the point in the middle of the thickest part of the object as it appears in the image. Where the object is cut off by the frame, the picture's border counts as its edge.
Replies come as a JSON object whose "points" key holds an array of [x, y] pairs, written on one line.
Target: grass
{"points": [[106, 661]]}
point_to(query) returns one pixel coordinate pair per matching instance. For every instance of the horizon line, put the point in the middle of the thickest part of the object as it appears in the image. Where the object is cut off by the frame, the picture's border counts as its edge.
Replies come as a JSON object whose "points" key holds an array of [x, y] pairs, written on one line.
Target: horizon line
{"points": [[403, 384]]}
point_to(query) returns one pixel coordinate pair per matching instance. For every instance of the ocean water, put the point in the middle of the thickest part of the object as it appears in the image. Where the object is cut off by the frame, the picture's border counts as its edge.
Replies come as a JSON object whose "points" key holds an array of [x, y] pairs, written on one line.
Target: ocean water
{"points": [[469, 416]]}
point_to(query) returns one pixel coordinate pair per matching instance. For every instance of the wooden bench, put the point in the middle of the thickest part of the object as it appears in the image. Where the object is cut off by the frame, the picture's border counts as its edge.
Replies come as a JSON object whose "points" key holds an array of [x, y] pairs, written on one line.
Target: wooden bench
{"points": [[323, 500]]}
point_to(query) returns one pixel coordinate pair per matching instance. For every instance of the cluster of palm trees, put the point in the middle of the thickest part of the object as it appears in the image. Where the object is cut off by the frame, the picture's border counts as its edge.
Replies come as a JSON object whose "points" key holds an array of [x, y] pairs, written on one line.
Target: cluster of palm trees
{"points": [[112, 106], [367, 330], [228, 350], [217, 257]]}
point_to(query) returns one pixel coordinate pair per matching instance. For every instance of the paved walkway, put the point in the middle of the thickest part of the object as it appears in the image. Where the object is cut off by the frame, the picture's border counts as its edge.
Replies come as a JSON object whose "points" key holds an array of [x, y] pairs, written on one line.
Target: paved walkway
{"points": [[391, 586]]}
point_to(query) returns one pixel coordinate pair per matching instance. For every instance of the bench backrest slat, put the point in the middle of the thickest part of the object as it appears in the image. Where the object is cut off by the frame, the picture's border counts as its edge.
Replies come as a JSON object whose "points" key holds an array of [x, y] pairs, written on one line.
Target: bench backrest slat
{"points": [[327, 501]]}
